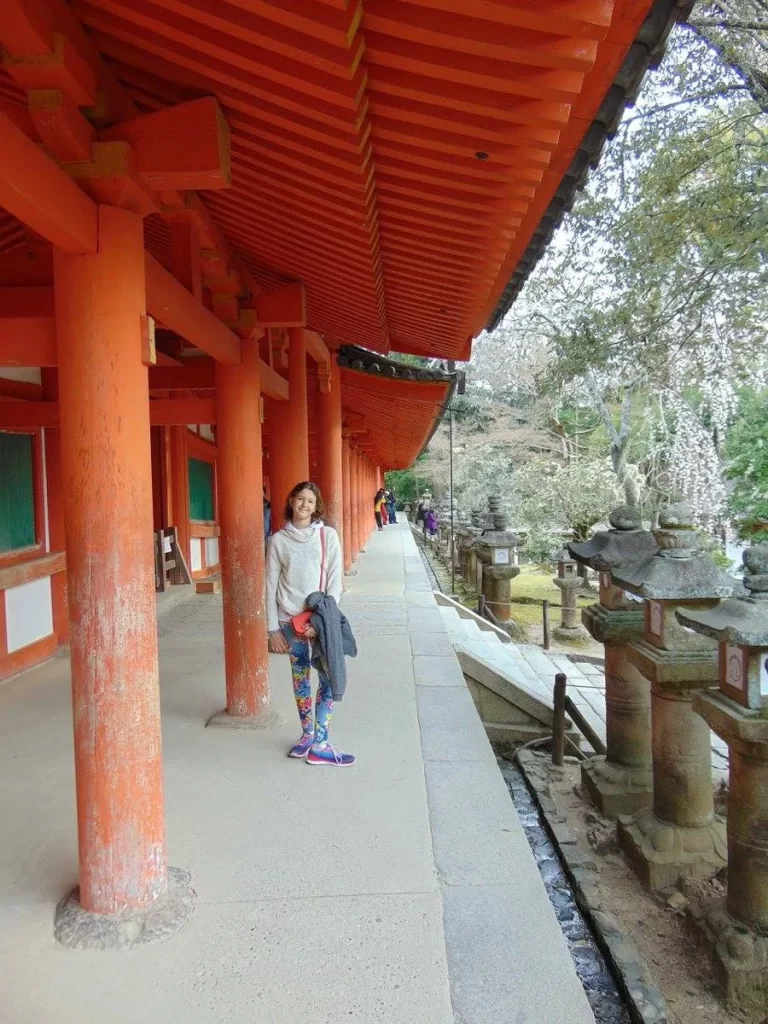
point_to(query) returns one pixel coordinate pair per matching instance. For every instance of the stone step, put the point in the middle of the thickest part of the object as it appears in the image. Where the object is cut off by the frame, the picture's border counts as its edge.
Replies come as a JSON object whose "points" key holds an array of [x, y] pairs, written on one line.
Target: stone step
{"points": [[472, 630], [449, 614], [208, 585]]}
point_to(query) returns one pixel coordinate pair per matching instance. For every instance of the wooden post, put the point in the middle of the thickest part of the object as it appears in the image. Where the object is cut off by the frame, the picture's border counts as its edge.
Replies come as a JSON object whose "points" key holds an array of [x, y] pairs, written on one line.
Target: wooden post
{"points": [[545, 623], [558, 719]]}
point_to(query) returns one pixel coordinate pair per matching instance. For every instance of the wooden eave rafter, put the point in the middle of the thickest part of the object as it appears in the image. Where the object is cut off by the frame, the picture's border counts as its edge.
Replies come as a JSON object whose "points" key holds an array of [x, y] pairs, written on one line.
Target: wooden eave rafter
{"points": [[390, 419]]}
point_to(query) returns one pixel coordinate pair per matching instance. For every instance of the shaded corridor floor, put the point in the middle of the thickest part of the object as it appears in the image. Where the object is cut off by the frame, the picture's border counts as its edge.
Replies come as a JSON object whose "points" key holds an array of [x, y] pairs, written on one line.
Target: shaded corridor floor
{"points": [[356, 895]]}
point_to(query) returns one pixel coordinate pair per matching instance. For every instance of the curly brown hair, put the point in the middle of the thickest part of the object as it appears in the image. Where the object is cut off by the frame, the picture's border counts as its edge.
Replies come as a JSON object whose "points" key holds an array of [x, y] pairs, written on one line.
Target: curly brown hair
{"points": [[305, 485]]}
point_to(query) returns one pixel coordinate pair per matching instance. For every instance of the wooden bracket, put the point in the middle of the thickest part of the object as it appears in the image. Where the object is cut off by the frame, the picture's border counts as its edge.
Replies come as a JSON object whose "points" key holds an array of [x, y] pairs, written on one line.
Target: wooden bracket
{"points": [[148, 350]]}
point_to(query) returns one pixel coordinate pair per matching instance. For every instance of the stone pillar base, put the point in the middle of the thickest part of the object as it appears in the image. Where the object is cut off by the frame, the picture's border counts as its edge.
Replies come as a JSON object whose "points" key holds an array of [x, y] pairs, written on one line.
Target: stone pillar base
{"points": [[740, 958], [615, 789], [662, 853], [77, 928], [268, 719], [570, 633]]}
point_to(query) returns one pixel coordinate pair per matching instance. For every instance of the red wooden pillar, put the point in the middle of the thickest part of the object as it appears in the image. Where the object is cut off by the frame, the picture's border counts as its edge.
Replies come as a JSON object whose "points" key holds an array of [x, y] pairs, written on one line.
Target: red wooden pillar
{"points": [[289, 431], [329, 456], [241, 518], [347, 496], [355, 477], [107, 486], [370, 492]]}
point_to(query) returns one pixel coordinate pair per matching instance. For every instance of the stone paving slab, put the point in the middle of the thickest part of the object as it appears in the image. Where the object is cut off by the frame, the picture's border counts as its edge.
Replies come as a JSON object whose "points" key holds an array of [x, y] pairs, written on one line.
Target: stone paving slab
{"points": [[475, 830], [437, 670], [494, 982], [451, 729], [431, 643]]}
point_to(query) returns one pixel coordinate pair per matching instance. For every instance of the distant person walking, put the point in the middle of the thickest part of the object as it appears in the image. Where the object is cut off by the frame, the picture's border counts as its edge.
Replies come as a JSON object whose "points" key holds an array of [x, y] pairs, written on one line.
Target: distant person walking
{"points": [[391, 506], [421, 517], [304, 561], [431, 524], [378, 508]]}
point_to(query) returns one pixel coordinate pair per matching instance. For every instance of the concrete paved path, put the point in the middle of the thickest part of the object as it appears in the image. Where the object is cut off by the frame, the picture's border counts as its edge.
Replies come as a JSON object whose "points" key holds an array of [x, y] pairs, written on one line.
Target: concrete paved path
{"points": [[400, 891]]}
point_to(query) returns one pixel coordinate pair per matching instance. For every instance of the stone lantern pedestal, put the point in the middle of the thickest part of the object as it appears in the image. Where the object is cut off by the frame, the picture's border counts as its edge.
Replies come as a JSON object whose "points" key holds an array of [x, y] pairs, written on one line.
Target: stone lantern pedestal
{"points": [[679, 835], [465, 539], [568, 582], [622, 781], [737, 927], [494, 550]]}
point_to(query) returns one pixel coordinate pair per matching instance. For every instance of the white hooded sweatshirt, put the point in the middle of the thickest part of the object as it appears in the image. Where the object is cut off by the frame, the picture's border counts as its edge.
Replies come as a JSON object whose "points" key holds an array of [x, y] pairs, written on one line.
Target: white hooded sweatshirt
{"points": [[293, 570]]}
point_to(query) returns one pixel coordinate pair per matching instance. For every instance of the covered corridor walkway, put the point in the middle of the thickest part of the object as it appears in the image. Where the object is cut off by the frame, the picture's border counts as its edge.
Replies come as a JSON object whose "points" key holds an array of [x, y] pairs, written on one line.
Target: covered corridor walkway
{"points": [[399, 891]]}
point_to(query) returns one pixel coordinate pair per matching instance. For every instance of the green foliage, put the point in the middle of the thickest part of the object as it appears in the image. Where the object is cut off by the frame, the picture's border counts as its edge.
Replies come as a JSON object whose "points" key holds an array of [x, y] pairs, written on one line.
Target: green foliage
{"points": [[746, 452], [411, 360], [408, 484], [653, 299], [573, 496], [541, 546]]}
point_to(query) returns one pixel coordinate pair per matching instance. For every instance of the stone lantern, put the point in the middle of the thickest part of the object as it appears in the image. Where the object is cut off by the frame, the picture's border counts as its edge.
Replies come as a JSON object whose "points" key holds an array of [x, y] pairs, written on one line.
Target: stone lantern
{"points": [[679, 835], [622, 781], [465, 538], [738, 712], [495, 551], [568, 582]]}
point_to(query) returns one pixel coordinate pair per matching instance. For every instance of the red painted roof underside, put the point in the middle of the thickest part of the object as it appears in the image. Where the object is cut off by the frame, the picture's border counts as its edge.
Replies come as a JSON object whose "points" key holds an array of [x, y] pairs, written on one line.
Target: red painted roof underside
{"points": [[355, 133], [394, 155]]}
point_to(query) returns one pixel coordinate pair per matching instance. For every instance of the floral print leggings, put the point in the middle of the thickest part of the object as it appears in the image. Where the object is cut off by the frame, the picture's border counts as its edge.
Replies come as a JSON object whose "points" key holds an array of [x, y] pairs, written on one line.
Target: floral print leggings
{"points": [[299, 651]]}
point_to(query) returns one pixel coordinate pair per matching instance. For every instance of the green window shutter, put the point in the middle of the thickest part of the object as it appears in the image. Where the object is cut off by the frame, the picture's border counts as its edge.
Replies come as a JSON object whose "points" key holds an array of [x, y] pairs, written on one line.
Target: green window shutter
{"points": [[201, 506], [17, 492]]}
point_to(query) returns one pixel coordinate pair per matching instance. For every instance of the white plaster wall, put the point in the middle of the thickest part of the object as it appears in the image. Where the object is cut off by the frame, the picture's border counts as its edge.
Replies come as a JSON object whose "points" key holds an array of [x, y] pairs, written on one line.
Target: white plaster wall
{"points": [[28, 613], [211, 550], [206, 431], [28, 374], [196, 553]]}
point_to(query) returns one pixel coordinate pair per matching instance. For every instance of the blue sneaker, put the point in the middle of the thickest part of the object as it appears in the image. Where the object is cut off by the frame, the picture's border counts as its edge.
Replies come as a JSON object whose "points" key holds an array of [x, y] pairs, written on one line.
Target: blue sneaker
{"points": [[301, 749], [328, 754]]}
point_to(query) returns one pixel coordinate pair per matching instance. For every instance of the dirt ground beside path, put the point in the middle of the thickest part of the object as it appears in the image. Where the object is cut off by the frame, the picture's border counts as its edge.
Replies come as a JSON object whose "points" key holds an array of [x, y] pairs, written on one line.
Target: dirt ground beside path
{"points": [[680, 968]]}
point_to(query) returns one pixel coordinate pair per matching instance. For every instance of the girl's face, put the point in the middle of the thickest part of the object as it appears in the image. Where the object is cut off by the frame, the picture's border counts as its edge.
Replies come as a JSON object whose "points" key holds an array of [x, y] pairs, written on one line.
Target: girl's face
{"points": [[304, 504]]}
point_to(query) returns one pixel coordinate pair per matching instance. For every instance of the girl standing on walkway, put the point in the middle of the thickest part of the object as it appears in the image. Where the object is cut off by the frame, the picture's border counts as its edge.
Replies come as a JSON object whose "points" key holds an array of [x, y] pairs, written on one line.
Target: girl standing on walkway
{"points": [[304, 557]]}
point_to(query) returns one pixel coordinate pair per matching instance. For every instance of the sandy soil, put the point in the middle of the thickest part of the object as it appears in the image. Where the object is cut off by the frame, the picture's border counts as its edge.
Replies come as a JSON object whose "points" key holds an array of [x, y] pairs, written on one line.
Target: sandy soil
{"points": [[657, 924]]}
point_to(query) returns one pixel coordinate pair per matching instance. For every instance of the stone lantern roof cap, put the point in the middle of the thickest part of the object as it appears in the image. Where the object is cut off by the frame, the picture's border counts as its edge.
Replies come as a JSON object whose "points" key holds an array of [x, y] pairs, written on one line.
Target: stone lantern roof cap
{"points": [[742, 621], [679, 570], [627, 542]]}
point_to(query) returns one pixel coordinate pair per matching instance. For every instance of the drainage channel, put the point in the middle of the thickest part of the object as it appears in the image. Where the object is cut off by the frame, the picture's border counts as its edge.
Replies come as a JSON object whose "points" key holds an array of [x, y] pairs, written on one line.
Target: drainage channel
{"points": [[599, 985]]}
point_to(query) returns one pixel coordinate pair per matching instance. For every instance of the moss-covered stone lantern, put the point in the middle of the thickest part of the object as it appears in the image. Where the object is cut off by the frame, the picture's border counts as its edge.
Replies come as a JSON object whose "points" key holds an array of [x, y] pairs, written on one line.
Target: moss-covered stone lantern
{"points": [[737, 927], [679, 835], [622, 781]]}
